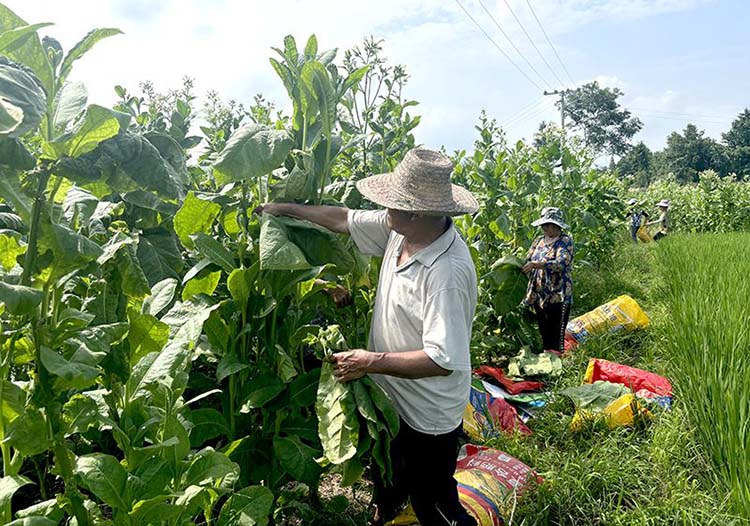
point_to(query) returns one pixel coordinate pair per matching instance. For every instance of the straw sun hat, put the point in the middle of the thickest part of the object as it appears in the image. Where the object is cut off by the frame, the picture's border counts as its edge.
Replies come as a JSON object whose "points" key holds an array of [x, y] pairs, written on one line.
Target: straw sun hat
{"points": [[664, 203], [552, 215], [420, 183]]}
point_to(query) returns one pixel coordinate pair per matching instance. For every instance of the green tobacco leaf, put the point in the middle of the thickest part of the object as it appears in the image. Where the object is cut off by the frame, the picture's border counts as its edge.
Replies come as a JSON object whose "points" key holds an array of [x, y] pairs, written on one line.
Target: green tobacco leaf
{"points": [[69, 102], [338, 424], [208, 467], [8, 486], [194, 216], [146, 335], [172, 153], [105, 477], [213, 250], [319, 245], [47, 510], [9, 252], [14, 154], [364, 402], [156, 510], [250, 506], [12, 403], [285, 368], [28, 433], [23, 102], [19, 300], [71, 249], [79, 414], [10, 191], [252, 151], [303, 390], [83, 47], [240, 284], [277, 252], [161, 296], [207, 424], [297, 459], [33, 521], [206, 284], [75, 374], [316, 77], [262, 390], [159, 255], [353, 471], [125, 162], [11, 36], [29, 50], [156, 368], [97, 124], [384, 405], [511, 284]]}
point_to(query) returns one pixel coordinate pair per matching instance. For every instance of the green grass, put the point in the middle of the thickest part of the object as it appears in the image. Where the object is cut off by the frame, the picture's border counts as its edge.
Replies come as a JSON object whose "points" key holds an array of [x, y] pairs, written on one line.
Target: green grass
{"points": [[651, 475], [706, 285]]}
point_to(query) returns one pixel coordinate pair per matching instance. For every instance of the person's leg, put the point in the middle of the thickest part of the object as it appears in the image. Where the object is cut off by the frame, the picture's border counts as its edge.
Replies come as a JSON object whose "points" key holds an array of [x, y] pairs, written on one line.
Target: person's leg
{"points": [[549, 325], [432, 488], [658, 236], [543, 323], [563, 324], [390, 499], [634, 234]]}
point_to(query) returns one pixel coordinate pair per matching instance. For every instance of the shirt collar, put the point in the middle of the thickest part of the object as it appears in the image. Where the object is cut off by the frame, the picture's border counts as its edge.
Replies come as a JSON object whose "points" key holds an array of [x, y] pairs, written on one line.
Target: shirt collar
{"points": [[428, 255]]}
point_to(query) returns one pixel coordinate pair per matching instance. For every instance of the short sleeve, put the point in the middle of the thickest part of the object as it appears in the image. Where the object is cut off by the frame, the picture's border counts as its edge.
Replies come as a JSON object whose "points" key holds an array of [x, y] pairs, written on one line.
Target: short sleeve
{"points": [[369, 230], [446, 329]]}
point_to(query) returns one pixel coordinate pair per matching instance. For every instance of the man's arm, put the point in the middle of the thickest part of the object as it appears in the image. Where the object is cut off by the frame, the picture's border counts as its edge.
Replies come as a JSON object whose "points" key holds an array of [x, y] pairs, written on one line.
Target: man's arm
{"points": [[334, 218], [350, 365]]}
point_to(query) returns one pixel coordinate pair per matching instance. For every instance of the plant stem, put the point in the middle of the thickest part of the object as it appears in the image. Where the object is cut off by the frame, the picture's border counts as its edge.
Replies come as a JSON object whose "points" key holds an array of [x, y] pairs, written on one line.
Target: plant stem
{"points": [[62, 460], [36, 213]]}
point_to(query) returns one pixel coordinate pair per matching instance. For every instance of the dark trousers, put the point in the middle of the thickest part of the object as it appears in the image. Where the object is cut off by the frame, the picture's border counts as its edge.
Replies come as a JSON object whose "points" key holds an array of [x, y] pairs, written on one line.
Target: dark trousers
{"points": [[634, 234], [423, 467], [659, 235], [552, 320]]}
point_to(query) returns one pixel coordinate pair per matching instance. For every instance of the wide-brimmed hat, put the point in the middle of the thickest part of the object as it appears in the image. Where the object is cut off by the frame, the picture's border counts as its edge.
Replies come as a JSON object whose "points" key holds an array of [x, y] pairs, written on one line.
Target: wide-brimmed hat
{"points": [[552, 215], [632, 202], [420, 183], [663, 203]]}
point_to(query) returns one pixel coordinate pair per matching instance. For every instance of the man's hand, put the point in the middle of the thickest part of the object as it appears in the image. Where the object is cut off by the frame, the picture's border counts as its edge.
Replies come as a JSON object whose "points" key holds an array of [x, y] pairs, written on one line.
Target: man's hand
{"points": [[532, 265], [350, 365], [341, 296], [268, 208]]}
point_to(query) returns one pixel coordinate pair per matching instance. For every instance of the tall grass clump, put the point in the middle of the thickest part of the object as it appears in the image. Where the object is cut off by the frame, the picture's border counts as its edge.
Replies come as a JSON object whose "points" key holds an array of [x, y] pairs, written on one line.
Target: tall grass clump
{"points": [[706, 282]]}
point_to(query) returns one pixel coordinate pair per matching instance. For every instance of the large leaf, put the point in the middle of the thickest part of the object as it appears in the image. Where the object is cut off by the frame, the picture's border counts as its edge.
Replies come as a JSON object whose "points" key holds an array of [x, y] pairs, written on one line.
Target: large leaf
{"points": [[79, 414], [240, 284], [298, 459], [69, 102], [250, 506], [22, 99], [71, 249], [172, 153], [159, 255], [209, 466], [146, 335], [161, 296], [207, 424], [319, 245], [510, 282], [83, 47], [252, 151], [303, 390], [14, 154], [338, 423], [28, 433], [205, 283], [8, 486], [12, 404], [277, 252], [27, 50], [316, 77], [10, 37], [94, 126], [75, 374], [19, 300], [262, 390], [126, 162], [213, 250], [194, 216], [105, 477], [10, 249]]}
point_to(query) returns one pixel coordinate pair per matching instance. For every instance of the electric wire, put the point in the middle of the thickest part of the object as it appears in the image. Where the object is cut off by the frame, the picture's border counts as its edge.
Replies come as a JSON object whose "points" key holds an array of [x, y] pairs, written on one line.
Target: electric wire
{"points": [[494, 20], [501, 50], [549, 41]]}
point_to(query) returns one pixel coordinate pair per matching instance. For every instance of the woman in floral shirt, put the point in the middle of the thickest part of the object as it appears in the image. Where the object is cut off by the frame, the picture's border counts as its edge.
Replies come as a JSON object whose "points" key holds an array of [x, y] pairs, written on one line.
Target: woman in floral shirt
{"points": [[550, 290]]}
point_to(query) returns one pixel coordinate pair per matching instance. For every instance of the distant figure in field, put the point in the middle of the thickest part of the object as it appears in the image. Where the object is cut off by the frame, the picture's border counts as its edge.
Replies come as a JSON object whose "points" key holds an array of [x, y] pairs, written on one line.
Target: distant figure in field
{"points": [[663, 221], [637, 219]]}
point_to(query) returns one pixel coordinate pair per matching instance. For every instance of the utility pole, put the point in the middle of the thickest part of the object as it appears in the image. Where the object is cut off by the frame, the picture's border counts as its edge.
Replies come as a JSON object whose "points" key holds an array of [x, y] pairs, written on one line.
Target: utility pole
{"points": [[562, 105], [562, 123]]}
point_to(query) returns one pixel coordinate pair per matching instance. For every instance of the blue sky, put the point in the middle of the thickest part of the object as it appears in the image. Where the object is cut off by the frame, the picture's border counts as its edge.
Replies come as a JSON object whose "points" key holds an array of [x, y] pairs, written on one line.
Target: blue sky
{"points": [[677, 61]]}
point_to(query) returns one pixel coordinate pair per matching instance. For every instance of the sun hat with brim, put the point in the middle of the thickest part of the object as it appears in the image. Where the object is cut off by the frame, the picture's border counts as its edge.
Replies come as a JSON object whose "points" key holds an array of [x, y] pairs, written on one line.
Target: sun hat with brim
{"points": [[420, 183], [663, 203], [632, 202], [552, 215]]}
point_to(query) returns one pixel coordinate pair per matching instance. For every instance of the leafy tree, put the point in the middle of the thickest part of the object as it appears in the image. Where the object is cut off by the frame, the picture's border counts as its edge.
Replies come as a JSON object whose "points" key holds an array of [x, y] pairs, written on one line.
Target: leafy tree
{"points": [[638, 165], [737, 140], [595, 112], [691, 152]]}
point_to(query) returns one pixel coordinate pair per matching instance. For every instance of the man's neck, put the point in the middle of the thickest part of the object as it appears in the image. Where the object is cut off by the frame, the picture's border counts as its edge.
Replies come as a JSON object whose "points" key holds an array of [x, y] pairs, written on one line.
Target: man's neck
{"points": [[426, 236]]}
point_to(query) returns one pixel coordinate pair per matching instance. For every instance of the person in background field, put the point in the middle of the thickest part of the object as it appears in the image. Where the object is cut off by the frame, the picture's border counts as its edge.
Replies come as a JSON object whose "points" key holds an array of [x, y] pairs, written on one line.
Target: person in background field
{"points": [[663, 221], [637, 219], [421, 325], [550, 289]]}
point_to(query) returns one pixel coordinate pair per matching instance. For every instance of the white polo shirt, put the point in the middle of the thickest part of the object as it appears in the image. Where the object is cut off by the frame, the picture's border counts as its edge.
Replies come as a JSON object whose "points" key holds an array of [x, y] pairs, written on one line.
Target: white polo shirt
{"points": [[427, 303]]}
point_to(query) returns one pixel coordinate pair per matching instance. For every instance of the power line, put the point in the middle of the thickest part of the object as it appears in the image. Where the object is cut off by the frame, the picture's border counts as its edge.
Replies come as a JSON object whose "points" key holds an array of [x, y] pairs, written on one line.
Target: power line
{"points": [[532, 42], [528, 115], [512, 44], [501, 50], [551, 44]]}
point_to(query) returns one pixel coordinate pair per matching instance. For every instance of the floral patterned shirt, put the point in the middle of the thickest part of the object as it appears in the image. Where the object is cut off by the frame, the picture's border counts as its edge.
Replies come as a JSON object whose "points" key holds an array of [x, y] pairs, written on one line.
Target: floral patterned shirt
{"points": [[552, 283]]}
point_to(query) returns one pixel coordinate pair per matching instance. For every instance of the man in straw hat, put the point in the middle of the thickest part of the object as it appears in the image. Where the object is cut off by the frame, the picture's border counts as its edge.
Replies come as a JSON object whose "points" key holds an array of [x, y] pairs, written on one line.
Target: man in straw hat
{"points": [[421, 324]]}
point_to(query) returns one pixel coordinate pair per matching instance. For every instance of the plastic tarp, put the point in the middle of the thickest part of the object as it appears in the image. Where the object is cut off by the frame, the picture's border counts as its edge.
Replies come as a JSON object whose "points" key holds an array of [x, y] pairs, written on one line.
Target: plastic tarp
{"points": [[487, 417], [506, 383], [644, 383]]}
